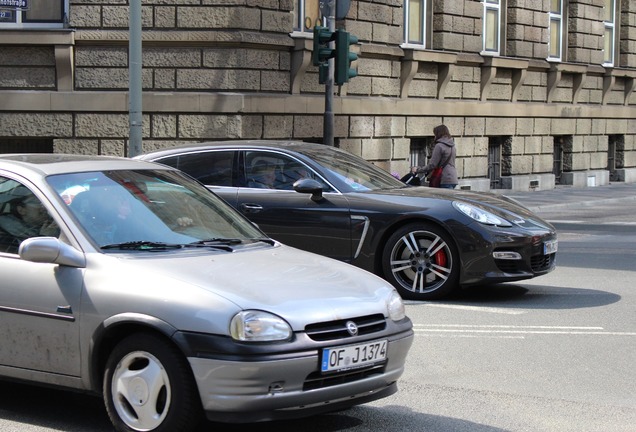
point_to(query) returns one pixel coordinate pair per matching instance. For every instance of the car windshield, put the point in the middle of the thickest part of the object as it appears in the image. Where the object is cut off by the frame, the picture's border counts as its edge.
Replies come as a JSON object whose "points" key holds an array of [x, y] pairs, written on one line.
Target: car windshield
{"points": [[150, 209], [358, 174]]}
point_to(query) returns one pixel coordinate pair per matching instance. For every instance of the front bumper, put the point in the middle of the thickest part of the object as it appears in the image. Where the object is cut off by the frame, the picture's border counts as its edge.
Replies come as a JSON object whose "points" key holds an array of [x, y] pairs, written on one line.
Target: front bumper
{"points": [[480, 266], [288, 385]]}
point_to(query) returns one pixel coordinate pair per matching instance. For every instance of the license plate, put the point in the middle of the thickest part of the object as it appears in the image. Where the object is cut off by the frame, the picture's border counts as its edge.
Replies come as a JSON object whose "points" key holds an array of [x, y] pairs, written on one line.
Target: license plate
{"points": [[550, 247], [353, 356]]}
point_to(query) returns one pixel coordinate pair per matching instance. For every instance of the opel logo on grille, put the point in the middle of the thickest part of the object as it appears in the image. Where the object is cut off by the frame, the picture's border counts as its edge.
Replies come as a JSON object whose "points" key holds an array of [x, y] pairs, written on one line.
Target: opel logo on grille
{"points": [[352, 328]]}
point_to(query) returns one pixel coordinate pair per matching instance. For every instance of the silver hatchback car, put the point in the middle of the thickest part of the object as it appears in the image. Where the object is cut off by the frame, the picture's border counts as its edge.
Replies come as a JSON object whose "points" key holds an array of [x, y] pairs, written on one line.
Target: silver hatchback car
{"points": [[130, 280]]}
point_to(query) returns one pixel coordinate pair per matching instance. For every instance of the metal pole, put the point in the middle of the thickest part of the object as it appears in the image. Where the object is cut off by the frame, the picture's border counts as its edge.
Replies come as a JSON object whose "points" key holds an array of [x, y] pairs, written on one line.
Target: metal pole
{"points": [[329, 85], [135, 83]]}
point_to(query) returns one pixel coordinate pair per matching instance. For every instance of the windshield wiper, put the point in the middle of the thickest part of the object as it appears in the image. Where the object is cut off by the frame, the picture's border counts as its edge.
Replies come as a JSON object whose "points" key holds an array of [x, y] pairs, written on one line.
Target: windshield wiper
{"points": [[142, 245], [216, 242]]}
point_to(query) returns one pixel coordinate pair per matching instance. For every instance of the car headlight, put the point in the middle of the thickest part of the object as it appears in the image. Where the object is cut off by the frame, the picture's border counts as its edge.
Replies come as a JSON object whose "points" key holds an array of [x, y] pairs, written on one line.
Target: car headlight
{"points": [[259, 326], [395, 306], [480, 215]]}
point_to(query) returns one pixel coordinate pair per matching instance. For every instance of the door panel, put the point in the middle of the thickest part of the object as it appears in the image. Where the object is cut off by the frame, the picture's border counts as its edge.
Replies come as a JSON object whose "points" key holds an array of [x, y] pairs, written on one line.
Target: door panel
{"points": [[294, 219], [39, 310]]}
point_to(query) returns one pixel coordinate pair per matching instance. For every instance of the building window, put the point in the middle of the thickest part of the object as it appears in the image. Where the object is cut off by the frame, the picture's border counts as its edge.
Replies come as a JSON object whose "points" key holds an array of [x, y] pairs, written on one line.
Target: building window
{"points": [[306, 15], [492, 27], [417, 22], [615, 156], [609, 20], [421, 149], [555, 44], [494, 162], [38, 14]]}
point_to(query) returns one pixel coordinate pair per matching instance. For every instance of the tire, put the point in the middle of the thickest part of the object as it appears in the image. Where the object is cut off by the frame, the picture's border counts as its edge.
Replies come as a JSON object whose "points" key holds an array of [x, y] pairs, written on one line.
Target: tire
{"points": [[421, 261], [148, 386]]}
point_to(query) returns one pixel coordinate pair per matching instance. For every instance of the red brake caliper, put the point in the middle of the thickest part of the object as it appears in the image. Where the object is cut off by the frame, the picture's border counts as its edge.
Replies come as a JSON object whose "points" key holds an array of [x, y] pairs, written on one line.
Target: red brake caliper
{"points": [[440, 258]]}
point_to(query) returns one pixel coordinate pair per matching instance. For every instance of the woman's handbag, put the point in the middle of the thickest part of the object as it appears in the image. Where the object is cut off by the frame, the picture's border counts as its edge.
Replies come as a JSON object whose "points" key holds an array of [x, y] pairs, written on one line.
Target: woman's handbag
{"points": [[435, 177]]}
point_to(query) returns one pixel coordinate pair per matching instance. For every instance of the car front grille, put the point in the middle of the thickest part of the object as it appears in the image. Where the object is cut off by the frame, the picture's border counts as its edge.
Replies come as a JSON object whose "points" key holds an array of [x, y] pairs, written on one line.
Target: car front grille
{"points": [[542, 262], [317, 380], [337, 330], [538, 263]]}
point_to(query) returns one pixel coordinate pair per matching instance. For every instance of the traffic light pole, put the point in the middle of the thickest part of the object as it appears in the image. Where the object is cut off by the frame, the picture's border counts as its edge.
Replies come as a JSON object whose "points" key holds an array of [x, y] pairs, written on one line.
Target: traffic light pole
{"points": [[328, 120]]}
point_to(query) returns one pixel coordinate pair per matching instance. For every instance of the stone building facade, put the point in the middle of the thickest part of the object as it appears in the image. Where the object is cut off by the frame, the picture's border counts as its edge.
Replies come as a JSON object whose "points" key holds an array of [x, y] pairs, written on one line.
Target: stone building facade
{"points": [[534, 94]]}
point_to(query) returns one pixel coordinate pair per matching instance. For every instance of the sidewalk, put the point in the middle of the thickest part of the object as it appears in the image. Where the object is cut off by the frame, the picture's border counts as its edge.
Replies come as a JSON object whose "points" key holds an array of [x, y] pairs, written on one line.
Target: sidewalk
{"points": [[571, 197]]}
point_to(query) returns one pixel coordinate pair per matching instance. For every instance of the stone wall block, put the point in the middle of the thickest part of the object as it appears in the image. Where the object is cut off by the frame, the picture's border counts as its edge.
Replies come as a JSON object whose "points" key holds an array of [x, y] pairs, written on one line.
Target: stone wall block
{"points": [[389, 126], [278, 126], [308, 127], [36, 124], [165, 16], [85, 16], [113, 148], [106, 126], [402, 150], [163, 126], [377, 149], [28, 77], [76, 146], [421, 126], [616, 126], [277, 21], [218, 79], [26, 56], [95, 56], [500, 126], [563, 126], [219, 18], [361, 126], [542, 163]]}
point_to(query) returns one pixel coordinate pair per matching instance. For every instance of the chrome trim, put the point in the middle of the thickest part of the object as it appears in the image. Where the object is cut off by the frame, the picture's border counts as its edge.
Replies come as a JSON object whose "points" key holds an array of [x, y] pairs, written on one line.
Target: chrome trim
{"points": [[364, 232], [37, 314]]}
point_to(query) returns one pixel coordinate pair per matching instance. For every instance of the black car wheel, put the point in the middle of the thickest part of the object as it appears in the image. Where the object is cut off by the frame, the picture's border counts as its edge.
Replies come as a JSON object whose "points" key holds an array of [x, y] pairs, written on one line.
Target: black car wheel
{"points": [[421, 262], [148, 386]]}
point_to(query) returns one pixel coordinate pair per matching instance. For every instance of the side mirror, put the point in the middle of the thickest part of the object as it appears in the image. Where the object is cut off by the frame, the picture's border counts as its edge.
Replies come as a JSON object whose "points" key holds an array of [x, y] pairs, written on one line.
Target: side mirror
{"points": [[310, 186], [52, 251]]}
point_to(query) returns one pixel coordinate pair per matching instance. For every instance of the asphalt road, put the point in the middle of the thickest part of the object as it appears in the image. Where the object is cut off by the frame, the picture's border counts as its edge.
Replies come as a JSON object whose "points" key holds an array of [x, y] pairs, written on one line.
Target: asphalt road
{"points": [[554, 354]]}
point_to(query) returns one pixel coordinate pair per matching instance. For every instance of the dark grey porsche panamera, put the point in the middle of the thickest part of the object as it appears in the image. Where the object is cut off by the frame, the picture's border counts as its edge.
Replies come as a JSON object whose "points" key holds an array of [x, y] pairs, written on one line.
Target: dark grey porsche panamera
{"points": [[426, 242]]}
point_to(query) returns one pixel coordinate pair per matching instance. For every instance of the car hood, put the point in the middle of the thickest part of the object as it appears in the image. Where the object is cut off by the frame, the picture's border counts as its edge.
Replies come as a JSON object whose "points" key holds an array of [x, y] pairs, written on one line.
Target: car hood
{"points": [[495, 203], [299, 286]]}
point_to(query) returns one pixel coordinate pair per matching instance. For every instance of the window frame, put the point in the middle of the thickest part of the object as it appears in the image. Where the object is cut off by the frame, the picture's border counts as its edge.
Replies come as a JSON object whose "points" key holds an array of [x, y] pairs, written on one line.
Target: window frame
{"points": [[426, 20], [21, 22], [300, 18], [611, 28], [554, 16], [497, 6]]}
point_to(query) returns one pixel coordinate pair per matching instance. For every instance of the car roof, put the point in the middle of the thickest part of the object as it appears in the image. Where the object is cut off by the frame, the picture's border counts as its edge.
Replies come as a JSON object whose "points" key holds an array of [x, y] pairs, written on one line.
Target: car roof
{"points": [[295, 146], [56, 163]]}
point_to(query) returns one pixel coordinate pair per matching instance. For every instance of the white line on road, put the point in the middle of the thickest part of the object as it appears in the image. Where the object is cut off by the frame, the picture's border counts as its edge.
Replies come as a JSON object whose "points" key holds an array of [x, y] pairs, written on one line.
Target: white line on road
{"points": [[505, 311], [512, 330]]}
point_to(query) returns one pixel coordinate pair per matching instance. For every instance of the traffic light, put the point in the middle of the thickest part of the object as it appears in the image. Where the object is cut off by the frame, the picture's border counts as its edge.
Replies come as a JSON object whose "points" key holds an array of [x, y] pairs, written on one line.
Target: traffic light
{"points": [[344, 57], [322, 53]]}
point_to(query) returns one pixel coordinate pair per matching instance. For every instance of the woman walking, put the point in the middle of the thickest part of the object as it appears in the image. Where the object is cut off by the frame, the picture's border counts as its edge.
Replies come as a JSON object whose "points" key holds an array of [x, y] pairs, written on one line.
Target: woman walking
{"points": [[443, 157]]}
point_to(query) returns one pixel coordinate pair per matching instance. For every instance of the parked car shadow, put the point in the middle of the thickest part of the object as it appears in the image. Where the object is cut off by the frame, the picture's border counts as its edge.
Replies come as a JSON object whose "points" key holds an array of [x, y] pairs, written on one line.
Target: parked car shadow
{"points": [[535, 297], [59, 410], [366, 418]]}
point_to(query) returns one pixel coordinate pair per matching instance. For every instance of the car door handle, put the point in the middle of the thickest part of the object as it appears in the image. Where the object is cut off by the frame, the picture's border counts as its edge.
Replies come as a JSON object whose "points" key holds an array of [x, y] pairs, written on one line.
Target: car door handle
{"points": [[251, 208]]}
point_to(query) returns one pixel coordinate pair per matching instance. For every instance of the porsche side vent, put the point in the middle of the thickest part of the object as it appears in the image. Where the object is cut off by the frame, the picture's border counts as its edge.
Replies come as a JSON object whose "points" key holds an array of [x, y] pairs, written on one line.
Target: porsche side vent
{"points": [[334, 330]]}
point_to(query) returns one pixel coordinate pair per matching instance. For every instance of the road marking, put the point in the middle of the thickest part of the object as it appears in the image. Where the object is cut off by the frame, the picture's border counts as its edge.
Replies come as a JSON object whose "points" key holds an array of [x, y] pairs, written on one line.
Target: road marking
{"points": [[461, 329], [505, 311]]}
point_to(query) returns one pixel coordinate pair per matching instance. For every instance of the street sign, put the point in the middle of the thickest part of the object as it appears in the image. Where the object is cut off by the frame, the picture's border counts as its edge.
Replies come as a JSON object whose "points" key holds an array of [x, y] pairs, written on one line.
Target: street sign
{"points": [[17, 4]]}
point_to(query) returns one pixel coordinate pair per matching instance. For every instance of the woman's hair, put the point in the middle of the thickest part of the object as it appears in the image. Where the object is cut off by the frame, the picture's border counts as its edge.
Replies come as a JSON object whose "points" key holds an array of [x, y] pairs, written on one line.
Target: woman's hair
{"points": [[441, 131]]}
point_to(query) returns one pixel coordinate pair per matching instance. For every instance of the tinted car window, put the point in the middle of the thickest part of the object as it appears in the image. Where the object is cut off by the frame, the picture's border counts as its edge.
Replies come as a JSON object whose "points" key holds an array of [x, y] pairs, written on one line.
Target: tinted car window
{"points": [[271, 170], [210, 168]]}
